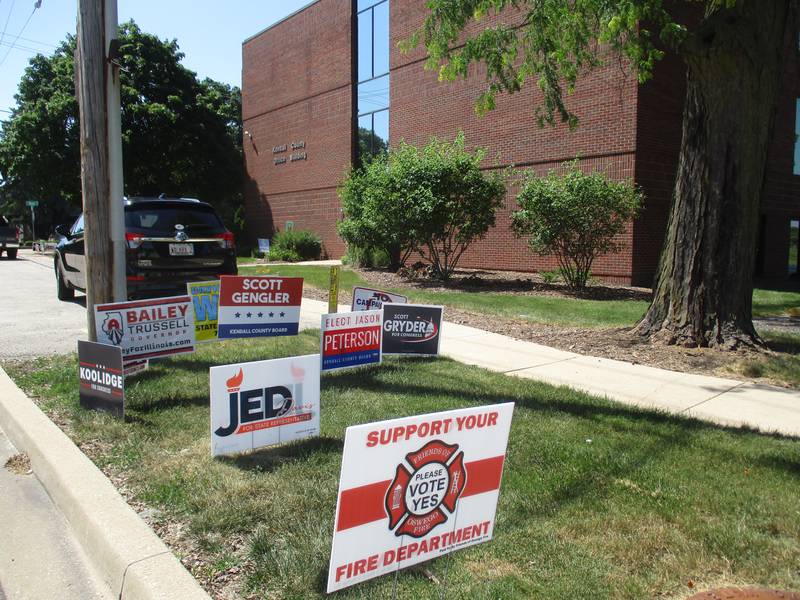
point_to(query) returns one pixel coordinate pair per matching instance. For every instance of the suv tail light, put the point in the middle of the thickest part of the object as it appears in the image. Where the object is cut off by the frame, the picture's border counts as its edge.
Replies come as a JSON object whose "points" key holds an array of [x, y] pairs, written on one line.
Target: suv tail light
{"points": [[134, 240], [226, 240], [19, 232]]}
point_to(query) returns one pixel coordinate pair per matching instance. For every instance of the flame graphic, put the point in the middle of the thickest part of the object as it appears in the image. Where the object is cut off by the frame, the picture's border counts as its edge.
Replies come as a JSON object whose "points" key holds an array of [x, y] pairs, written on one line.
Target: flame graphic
{"points": [[234, 382], [298, 373]]}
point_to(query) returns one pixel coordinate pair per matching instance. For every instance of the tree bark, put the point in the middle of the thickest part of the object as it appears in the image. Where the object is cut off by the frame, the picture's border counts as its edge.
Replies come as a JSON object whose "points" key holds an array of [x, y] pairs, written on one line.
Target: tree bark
{"points": [[703, 289]]}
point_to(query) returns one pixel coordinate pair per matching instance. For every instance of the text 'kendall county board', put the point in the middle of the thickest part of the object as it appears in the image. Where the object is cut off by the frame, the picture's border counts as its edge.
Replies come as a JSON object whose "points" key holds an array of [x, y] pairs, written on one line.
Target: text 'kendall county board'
{"points": [[350, 339], [259, 306], [416, 488]]}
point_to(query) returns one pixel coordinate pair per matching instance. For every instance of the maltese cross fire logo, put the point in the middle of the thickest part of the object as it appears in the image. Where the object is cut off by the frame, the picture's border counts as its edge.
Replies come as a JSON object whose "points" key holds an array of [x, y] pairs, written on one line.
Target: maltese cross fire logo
{"points": [[422, 498]]}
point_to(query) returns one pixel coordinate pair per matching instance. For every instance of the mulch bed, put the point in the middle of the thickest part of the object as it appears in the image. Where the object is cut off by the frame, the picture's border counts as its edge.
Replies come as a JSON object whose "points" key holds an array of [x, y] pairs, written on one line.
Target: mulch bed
{"points": [[614, 343]]}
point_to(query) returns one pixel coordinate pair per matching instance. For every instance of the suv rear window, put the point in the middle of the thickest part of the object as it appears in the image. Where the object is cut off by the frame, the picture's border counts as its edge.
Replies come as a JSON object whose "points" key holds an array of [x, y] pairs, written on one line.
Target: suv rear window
{"points": [[3, 222], [161, 218]]}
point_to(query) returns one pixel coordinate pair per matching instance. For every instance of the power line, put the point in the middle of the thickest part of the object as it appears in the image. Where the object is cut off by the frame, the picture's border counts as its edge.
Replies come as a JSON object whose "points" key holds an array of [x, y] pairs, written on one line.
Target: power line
{"points": [[30, 16], [21, 47], [8, 18], [29, 40]]}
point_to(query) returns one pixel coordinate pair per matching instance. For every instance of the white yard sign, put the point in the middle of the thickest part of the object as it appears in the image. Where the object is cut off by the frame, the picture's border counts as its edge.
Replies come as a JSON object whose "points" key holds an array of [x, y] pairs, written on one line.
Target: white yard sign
{"points": [[416, 488], [264, 403]]}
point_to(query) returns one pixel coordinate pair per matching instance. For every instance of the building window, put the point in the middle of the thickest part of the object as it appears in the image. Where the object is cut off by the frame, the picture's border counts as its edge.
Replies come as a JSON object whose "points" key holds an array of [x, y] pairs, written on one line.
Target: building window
{"points": [[373, 77], [796, 170]]}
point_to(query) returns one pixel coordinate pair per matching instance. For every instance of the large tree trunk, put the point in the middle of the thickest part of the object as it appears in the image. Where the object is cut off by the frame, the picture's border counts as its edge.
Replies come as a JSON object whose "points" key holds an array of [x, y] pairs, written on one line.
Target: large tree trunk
{"points": [[703, 290]]}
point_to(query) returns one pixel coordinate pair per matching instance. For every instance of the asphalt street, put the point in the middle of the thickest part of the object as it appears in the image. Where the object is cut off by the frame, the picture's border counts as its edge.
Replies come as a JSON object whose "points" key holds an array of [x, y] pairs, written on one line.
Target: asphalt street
{"points": [[33, 322]]}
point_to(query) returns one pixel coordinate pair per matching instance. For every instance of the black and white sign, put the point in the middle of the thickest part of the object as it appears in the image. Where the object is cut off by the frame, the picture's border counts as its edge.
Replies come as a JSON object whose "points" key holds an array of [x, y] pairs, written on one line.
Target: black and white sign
{"points": [[411, 329], [370, 299], [102, 382]]}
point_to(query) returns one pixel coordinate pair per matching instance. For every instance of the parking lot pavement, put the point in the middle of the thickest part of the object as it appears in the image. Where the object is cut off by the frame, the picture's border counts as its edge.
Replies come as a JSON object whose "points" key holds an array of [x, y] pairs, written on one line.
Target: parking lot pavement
{"points": [[33, 322]]}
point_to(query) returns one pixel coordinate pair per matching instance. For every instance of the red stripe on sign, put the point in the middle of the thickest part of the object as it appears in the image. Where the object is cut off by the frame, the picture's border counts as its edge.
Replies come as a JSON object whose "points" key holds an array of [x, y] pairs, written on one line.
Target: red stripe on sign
{"points": [[365, 504], [362, 505], [357, 339], [483, 476], [260, 290], [143, 303]]}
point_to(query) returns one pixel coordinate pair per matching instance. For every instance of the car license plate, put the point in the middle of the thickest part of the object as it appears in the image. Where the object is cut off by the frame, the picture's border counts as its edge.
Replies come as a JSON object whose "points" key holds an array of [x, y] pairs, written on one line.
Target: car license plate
{"points": [[181, 250]]}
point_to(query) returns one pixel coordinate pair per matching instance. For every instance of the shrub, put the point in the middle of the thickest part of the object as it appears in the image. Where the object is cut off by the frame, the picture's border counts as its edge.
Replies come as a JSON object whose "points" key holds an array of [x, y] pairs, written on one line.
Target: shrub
{"points": [[366, 257], [372, 220], [575, 216], [294, 245], [435, 201]]}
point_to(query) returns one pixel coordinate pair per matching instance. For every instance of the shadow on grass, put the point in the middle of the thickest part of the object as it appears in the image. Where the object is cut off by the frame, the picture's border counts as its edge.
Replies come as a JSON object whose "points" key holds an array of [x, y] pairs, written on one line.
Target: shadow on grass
{"points": [[268, 459], [542, 398]]}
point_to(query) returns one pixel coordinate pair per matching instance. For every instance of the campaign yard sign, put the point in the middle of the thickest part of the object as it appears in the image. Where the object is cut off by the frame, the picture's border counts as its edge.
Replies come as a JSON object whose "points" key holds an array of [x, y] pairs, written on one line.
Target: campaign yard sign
{"points": [[415, 488], [411, 329], [102, 382], [369, 299], [350, 339], [147, 328], [205, 300], [263, 403], [259, 306]]}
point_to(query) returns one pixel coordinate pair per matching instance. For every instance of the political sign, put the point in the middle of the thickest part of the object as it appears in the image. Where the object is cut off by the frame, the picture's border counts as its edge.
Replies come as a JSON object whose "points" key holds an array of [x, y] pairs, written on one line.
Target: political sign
{"points": [[369, 299], [135, 367], [263, 245], [205, 300], [147, 328], [259, 306], [350, 339], [102, 383], [263, 403], [415, 488], [333, 290], [411, 329]]}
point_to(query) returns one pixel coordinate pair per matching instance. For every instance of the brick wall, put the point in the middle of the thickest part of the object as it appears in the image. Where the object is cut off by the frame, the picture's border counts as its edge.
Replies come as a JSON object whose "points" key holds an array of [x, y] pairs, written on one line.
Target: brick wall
{"points": [[296, 87], [781, 201], [605, 102]]}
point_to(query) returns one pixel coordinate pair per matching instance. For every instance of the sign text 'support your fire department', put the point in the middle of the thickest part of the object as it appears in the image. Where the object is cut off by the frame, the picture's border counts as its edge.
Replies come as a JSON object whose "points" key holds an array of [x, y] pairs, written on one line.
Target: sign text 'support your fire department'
{"points": [[416, 488]]}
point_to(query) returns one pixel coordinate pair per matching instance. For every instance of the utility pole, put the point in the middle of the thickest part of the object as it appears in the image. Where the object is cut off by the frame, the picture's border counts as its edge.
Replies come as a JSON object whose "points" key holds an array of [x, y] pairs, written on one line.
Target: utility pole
{"points": [[97, 87]]}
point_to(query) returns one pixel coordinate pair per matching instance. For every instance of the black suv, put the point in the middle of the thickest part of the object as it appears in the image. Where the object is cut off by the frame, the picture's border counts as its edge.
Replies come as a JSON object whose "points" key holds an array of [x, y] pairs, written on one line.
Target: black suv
{"points": [[170, 241]]}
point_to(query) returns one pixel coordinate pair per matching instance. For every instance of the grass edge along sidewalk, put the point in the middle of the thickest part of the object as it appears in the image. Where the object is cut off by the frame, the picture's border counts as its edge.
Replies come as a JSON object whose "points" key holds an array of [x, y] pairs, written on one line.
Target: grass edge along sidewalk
{"points": [[125, 554], [596, 498]]}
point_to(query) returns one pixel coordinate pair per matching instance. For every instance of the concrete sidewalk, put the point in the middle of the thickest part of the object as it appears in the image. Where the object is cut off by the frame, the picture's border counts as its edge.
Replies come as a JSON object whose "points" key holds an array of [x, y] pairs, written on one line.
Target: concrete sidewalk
{"points": [[722, 401]]}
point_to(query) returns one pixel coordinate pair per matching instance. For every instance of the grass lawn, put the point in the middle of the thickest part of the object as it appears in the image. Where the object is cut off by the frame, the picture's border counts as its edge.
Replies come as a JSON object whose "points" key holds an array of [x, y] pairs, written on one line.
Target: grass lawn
{"points": [[538, 309], [598, 500]]}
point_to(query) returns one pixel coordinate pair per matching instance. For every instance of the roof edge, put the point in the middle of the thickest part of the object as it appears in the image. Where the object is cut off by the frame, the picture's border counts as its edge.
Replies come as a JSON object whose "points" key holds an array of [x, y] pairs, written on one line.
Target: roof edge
{"points": [[276, 23]]}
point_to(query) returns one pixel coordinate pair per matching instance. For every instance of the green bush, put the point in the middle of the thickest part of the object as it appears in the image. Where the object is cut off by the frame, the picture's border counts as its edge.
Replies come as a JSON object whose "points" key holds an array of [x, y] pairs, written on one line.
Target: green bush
{"points": [[295, 245], [575, 216], [366, 257], [435, 200]]}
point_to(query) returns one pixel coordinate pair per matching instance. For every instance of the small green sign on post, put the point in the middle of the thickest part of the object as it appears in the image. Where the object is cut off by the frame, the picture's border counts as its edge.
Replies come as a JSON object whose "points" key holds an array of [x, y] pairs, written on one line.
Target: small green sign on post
{"points": [[333, 291], [32, 203]]}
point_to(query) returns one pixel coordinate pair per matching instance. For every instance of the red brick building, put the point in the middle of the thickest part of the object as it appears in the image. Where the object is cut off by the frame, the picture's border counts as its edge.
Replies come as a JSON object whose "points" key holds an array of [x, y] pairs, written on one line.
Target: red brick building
{"points": [[310, 81]]}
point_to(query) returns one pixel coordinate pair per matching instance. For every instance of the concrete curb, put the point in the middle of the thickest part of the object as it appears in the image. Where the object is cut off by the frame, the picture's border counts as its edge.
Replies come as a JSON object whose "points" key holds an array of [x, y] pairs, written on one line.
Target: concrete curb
{"points": [[126, 554]]}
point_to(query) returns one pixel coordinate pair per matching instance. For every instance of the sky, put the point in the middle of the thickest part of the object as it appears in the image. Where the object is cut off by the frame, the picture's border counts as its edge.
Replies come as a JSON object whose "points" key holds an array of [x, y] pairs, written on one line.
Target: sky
{"points": [[209, 32]]}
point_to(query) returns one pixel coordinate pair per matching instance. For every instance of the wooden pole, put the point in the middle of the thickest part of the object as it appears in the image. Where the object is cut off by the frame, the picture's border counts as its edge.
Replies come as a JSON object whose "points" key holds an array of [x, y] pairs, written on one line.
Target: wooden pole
{"points": [[91, 73]]}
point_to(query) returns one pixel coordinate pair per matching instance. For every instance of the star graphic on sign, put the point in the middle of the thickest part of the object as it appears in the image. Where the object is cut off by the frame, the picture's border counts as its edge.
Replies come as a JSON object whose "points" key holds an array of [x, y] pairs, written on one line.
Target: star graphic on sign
{"points": [[249, 315], [261, 314], [272, 314], [283, 314], [237, 315]]}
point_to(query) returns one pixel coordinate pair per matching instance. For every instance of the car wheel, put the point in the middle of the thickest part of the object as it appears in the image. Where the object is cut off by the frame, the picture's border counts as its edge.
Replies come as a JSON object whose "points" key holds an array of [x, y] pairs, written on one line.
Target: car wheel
{"points": [[12, 254], [63, 290]]}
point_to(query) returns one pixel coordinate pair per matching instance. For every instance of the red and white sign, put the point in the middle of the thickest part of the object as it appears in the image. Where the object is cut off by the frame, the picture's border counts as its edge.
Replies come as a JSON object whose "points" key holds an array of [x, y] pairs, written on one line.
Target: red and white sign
{"points": [[259, 306], [263, 403], [416, 488], [350, 339], [369, 299], [147, 328]]}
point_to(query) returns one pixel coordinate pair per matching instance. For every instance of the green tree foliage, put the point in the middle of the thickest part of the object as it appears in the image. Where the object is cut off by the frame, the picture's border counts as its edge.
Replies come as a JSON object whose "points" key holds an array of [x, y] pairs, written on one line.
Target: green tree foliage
{"points": [[575, 216], [435, 200], [181, 136], [732, 49], [370, 144]]}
